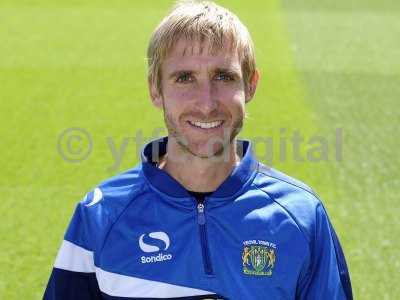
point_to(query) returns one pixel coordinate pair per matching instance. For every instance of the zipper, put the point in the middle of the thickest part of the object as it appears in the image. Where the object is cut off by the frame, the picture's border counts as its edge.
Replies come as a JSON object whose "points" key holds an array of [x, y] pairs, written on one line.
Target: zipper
{"points": [[201, 220]]}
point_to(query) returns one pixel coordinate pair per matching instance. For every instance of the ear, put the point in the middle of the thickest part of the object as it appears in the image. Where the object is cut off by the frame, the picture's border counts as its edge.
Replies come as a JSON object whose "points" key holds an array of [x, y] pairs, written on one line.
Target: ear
{"points": [[252, 86], [155, 95]]}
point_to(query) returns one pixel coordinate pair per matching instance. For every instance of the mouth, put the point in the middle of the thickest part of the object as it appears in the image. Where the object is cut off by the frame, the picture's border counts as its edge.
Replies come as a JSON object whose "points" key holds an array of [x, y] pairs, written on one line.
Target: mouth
{"points": [[206, 125]]}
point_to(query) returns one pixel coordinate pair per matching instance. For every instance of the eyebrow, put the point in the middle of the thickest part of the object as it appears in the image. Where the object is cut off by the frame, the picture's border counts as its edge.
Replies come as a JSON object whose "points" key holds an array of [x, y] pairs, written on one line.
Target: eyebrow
{"points": [[179, 72], [231, 71]]}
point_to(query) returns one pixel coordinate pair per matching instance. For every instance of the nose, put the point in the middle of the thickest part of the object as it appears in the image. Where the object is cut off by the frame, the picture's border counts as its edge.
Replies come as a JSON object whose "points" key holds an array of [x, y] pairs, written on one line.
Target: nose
{"points": [[207, 101]]}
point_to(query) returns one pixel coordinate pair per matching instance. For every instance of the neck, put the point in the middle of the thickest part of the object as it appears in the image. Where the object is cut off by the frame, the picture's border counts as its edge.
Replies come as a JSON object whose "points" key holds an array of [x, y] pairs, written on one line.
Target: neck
{"points": [[195, 173]]}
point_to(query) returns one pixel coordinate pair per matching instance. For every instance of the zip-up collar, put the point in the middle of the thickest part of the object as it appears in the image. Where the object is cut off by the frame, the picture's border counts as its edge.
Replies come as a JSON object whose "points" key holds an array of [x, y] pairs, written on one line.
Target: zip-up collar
{"points": [[162, 181]]}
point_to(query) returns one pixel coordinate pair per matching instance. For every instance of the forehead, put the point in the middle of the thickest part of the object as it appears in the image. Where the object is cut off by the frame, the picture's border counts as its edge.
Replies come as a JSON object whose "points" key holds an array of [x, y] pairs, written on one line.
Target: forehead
{"points": [[196, 54]]}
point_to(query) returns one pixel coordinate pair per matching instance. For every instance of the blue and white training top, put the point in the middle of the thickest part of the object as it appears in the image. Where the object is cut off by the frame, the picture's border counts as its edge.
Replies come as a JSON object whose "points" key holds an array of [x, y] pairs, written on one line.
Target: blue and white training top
{"points": [[141, 235]]}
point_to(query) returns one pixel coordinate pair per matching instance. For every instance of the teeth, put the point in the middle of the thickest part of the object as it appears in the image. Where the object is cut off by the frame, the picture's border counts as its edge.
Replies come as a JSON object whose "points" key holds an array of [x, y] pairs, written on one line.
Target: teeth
{"points": [[206, 125]]}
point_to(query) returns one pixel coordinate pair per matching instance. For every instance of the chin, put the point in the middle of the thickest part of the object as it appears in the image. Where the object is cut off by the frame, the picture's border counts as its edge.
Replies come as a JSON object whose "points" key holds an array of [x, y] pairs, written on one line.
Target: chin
{"points": [[205, 150]]}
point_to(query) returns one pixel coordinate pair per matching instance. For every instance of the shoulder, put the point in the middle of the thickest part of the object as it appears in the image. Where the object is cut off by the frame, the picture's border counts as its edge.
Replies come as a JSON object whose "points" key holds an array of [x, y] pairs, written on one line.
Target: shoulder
{"points": [[101, 207], [271, 175], [112, 195], [325, 261], [296, 198]]}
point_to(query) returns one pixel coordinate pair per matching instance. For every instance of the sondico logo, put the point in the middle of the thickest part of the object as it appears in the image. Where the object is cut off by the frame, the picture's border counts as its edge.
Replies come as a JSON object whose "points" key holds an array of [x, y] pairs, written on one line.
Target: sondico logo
{"points": [[145, 247]]}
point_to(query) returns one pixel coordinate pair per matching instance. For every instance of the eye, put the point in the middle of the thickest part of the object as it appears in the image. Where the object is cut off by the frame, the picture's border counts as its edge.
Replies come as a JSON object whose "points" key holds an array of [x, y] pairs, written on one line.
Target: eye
{"points": [[184, 78], [224, 76]]}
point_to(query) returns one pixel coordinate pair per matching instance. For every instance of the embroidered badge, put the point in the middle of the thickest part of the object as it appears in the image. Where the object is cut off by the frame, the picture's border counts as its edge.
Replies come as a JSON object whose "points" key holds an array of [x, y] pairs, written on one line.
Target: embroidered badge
{"points": [[258, 257]]}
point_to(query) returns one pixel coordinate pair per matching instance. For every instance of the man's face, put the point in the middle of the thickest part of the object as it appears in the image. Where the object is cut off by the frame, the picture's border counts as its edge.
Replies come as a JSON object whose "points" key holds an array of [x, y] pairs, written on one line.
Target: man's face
{"points": [[203, 97]]}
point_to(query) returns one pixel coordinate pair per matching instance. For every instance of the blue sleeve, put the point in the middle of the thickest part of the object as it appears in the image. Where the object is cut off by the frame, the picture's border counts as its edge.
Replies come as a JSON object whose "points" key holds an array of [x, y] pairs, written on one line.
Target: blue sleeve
{"points": [[327, 275], [73, 276], [67, 285]]}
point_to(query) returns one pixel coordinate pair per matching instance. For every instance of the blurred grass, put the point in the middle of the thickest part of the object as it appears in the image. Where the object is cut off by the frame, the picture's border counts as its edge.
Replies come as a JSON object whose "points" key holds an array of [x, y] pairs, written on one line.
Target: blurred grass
{"points": [[325, 65], [347, 55]]}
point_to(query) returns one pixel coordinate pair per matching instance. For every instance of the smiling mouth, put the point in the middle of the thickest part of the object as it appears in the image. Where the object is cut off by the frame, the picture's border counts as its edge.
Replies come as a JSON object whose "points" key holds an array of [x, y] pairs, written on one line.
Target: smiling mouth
{"points": [[206, 125]]}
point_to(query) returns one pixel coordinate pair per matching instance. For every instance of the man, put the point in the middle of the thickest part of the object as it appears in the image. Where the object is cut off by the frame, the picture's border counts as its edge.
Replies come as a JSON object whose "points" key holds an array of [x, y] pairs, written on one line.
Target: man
{"points": [[200, 217]]}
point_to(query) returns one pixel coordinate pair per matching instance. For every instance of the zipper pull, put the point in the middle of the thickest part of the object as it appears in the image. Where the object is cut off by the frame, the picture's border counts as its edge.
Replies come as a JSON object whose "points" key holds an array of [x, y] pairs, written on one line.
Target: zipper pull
{"points": [[200, 214]]}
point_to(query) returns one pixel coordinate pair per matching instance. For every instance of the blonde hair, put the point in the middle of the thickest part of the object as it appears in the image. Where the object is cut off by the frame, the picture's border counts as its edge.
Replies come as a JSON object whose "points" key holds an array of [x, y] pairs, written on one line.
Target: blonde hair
{"points": [[199, 21]]}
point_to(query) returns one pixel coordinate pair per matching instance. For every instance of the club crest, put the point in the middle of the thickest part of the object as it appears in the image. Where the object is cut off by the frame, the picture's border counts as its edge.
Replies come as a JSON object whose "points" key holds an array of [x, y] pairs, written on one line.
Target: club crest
{"points": [[258, 257]]}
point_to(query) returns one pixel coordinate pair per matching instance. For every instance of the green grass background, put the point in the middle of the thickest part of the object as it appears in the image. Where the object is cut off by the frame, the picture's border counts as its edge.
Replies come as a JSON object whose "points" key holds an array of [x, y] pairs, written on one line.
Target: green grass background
{"points": [[324, 65]]}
